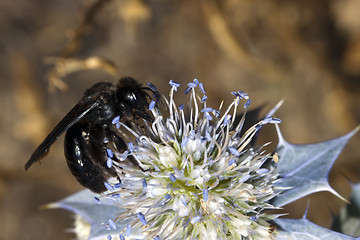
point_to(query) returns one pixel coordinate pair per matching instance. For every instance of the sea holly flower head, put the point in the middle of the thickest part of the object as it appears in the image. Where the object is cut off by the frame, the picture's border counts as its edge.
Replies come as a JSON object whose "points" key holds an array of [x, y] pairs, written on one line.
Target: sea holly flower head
{"points": [[198, 177], [193, 172]]}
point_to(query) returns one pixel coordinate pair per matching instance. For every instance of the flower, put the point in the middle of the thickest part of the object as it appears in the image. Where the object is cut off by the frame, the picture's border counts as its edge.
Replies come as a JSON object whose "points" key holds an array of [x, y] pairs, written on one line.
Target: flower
{"points": [[198, 174]]}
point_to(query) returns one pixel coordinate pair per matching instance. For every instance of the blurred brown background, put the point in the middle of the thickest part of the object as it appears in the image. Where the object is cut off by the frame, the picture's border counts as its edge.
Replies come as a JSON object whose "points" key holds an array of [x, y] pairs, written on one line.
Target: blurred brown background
{"points": [[307, 52]]}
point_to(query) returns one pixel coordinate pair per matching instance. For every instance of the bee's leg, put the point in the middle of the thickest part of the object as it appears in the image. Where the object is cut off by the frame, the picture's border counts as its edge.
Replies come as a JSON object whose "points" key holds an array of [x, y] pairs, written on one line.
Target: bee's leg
{"points": [[120, 146]]}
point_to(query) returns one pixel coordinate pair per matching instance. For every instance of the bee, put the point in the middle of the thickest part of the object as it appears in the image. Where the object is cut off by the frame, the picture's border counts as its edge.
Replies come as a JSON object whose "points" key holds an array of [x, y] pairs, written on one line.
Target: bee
{"points": [[89, 130]]}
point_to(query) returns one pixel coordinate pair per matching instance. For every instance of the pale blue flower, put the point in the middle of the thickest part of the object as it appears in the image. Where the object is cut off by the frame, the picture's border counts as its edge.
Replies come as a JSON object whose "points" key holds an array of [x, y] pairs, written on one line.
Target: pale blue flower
{"points": [[198, 177]]}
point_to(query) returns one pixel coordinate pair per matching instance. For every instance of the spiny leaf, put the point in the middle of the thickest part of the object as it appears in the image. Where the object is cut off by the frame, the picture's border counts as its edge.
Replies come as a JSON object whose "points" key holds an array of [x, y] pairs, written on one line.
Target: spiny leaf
{"points": [[303, 229], [304, 169], [97, 215]]}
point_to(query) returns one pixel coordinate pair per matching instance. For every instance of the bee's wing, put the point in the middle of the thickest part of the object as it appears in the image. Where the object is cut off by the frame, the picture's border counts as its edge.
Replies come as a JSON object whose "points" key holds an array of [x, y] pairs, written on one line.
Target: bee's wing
{"points": [[75, 114]]}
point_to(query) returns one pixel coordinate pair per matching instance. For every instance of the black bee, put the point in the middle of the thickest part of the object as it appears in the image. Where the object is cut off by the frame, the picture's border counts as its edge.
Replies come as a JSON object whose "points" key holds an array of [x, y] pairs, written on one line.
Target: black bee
{"points": [[89, 130]]}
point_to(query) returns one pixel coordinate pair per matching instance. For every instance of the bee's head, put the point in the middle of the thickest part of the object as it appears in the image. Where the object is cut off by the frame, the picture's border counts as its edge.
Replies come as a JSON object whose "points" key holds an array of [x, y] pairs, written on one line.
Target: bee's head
{"points": [[132, 98]]}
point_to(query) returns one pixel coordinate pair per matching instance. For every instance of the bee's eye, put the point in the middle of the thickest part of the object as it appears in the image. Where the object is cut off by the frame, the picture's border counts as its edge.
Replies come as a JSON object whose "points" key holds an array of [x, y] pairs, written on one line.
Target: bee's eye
{"points": [[131, 97]]}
